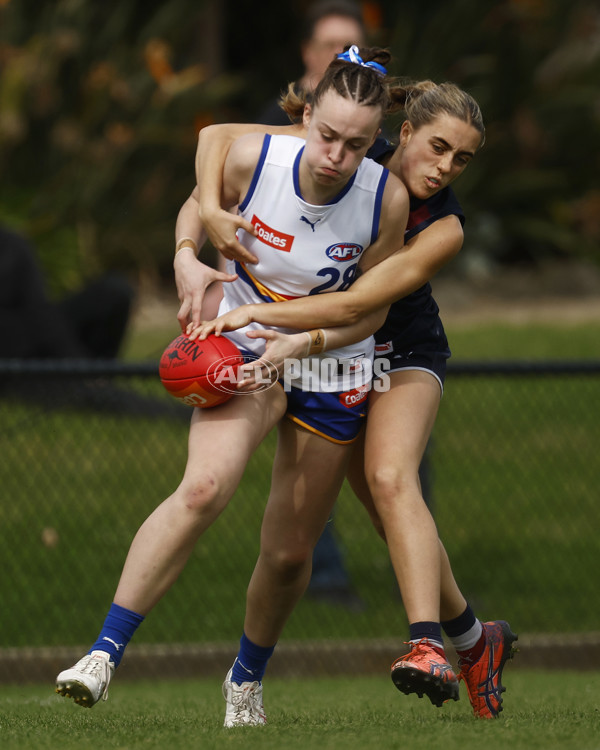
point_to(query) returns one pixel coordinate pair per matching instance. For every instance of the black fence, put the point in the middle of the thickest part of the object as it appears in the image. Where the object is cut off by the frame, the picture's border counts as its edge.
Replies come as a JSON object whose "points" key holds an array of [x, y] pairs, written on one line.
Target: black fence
{"points": [[88, 449]]}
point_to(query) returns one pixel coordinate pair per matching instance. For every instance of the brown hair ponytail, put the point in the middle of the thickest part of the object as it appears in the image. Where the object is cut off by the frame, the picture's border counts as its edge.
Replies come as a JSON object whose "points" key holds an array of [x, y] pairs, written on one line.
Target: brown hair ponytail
{"points": [[424, 101]]}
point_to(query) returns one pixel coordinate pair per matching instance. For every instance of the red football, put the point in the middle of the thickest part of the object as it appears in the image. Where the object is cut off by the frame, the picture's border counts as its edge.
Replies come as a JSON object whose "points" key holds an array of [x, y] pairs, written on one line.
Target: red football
{"points": [[200, 373]]}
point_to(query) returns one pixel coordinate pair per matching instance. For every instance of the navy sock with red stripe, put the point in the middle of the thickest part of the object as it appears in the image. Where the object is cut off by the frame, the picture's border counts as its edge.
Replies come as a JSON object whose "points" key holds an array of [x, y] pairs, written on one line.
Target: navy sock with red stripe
{"points": [[467, 635]]}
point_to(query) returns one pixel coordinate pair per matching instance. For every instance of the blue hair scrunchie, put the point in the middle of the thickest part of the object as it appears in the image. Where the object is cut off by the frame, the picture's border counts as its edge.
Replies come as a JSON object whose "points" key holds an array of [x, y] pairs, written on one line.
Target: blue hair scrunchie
{"points": [[351, 55]]}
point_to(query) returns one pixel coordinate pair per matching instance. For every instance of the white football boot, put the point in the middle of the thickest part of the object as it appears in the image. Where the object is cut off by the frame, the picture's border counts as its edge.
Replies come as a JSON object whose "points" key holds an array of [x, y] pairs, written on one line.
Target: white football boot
{"points": [[244, 703], [87, 681]]}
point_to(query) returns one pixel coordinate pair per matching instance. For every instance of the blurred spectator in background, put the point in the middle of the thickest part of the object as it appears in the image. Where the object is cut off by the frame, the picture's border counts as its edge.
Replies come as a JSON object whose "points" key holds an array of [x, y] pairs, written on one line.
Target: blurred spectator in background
{"points": [[329, 26], [90, 323]]}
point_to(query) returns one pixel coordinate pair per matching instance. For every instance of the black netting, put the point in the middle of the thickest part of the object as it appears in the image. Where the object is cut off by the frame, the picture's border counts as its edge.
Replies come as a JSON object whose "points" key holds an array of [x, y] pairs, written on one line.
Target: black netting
{"points": [[88, 450]]}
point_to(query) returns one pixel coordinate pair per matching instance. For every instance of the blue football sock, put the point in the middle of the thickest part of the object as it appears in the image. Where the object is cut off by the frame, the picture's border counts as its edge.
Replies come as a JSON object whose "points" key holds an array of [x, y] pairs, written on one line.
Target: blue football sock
{"points": [[251, 661], [117, 631]]}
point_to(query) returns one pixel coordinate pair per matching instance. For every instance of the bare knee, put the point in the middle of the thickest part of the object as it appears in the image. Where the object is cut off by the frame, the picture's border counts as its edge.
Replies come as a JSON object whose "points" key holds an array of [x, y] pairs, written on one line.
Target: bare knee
{"points": [[201, 496], [387, 484], [287, 564]]}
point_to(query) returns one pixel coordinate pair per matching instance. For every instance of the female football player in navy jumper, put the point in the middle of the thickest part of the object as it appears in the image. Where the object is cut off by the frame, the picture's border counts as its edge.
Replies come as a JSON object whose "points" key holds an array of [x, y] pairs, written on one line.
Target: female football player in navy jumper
{"points": [[275, 181], [442, 132]]}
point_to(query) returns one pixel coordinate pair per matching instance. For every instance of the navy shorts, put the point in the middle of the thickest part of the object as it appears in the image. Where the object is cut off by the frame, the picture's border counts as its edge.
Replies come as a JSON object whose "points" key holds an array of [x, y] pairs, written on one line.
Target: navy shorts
{"points": [[337, 417], [399, 359]]}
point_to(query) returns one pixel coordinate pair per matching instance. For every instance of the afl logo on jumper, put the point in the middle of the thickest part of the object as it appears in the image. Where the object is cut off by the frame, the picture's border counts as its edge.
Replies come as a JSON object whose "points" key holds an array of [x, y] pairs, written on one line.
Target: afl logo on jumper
{"points": [[272, 237], [342, 251]]}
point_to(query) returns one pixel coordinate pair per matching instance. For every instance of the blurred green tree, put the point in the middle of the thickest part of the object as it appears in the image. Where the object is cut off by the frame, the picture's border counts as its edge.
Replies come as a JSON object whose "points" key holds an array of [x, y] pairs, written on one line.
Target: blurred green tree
{"points": [[100, 104], [534, 67]]}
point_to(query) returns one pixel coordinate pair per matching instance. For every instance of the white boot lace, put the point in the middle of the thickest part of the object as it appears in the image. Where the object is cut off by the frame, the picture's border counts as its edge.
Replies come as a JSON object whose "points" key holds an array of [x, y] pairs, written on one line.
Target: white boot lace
{"points": [[98, 667]]}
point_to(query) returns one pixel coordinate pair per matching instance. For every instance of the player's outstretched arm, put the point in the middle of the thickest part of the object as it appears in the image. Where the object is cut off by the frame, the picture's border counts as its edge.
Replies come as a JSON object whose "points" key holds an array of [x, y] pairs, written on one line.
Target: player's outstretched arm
{"points": [[214, 143], [280, 347], [319, 340], [316, 311], [393, 278]]}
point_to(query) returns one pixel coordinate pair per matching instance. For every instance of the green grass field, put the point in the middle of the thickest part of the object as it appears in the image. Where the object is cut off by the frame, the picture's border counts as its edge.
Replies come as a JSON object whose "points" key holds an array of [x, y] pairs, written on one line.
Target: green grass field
{"points": [[545, 710]]}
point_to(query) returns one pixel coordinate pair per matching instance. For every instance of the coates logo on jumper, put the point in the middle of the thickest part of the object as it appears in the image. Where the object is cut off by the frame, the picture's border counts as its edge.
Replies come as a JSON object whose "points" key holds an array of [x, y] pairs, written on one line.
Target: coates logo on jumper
{"points": [[355, 396], [272, 237], [342, 251], [225, 374]]}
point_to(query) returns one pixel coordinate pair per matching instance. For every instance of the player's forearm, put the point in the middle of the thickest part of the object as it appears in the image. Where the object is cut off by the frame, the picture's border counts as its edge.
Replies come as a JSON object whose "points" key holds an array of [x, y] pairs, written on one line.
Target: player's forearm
{"points": [[378, 288], [375, 290], [189, 231], [314, 311], [346, 335]]}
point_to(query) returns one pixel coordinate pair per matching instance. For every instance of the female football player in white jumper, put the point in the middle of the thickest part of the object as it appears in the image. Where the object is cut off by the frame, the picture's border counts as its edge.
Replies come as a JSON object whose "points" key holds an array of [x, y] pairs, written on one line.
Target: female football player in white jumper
{"points": [[442, 132], [296, 192]]}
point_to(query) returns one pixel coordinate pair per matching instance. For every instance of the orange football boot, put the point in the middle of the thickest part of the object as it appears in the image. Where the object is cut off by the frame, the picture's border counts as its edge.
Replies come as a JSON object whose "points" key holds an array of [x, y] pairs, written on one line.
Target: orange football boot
{"points": [[425, 671], [483, 678]]}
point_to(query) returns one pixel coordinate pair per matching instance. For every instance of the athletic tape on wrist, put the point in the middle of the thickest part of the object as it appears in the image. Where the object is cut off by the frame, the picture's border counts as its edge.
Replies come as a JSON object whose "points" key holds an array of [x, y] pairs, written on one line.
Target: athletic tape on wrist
{"points": [[191, 244]]}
